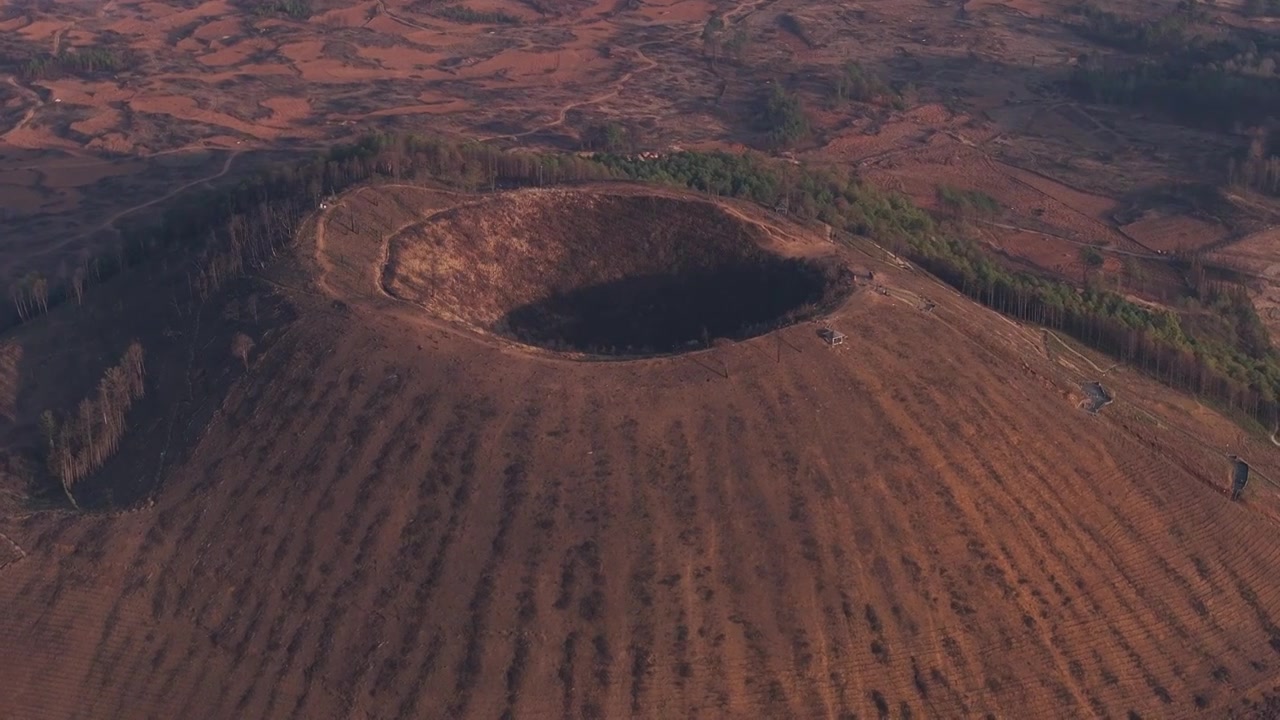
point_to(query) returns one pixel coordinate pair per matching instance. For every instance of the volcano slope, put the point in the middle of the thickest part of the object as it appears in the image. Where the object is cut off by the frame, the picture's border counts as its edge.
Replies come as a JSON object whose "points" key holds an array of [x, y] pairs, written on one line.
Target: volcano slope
{"points": [[402, 512]]}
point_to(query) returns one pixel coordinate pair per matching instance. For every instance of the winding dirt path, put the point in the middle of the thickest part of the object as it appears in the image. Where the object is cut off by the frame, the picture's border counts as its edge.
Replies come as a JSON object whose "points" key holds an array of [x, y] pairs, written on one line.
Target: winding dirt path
{"points": [[320, 249], [647, 62], [31, 111], [109, 222]]}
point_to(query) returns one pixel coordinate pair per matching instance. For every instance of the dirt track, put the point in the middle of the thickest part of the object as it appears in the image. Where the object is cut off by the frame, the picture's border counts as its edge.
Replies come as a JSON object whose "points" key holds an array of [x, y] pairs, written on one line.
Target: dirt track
{"points": [[111, 221], [393, 518], [30, 111]]}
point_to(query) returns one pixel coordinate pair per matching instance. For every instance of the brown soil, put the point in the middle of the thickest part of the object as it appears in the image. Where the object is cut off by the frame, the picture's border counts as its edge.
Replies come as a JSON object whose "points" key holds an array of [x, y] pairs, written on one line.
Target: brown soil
{"points": [[397, 511], [390, 516], [603, 272], [982, 111]]}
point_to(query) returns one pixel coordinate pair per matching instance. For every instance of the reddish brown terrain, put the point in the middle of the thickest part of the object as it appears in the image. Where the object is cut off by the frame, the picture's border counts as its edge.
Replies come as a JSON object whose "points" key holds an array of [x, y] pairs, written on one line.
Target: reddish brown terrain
{"points": [[394, 514], [550, 452], [209, 88]]}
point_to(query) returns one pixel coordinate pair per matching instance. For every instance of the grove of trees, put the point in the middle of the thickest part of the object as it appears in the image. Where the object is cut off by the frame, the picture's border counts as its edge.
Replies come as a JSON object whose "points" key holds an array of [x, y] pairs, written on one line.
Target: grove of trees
{"points": [[81, 442], [77, 61], [856, 83], [782, 117]]}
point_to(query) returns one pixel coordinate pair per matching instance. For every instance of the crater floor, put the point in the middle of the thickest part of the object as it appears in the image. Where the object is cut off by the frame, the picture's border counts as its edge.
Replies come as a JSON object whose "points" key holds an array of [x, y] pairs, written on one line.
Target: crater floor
{"points": [[606, 273]]}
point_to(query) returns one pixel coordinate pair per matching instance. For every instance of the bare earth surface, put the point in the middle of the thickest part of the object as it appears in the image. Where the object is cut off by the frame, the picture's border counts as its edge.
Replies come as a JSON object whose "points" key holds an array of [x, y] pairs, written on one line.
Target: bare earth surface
{"points": [[397, 511], [213, 88], [394, 516]]}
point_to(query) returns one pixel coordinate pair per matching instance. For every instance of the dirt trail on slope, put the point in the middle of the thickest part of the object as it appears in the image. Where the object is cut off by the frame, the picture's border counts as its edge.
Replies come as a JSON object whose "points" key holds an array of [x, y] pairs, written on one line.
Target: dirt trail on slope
{"points": [[109, 222], [31, 111]]}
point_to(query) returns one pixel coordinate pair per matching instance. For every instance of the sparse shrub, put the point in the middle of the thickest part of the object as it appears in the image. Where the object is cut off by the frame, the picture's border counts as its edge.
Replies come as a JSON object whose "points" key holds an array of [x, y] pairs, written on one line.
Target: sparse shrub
{"points": [[1092, 259], [241, 346], [737, 42]]}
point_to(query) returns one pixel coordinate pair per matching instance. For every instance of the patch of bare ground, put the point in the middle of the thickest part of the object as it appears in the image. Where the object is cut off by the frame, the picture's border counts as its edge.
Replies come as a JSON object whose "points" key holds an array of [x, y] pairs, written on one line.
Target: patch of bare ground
{"points": [[609, 273], [391, 516]]}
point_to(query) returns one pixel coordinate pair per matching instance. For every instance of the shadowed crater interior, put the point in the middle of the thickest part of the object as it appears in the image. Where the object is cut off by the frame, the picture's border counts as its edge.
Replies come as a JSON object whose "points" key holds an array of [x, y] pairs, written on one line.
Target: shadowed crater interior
{"points": [[606, 273]]}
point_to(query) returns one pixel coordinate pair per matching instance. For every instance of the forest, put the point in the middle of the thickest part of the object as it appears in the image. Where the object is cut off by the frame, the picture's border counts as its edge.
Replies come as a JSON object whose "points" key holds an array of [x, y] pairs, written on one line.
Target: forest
{"points": [[225, 234]]}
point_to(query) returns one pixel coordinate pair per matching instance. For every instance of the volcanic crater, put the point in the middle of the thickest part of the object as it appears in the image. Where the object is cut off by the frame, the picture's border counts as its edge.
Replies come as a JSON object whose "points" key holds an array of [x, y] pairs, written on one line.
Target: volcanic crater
{"points": [[607, 273]]}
